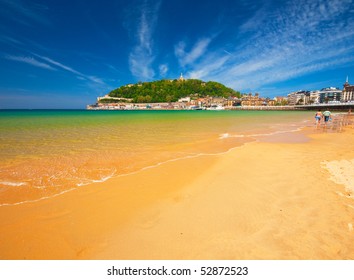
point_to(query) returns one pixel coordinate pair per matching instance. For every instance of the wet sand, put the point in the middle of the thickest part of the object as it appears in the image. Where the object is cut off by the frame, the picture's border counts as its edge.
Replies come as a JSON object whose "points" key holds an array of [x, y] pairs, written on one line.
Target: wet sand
{"points": [[276, 198]]}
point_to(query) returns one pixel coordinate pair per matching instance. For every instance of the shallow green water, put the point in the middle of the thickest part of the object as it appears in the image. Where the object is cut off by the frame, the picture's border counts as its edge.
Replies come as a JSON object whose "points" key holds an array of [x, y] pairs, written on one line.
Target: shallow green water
{"points": [[46, 152]]}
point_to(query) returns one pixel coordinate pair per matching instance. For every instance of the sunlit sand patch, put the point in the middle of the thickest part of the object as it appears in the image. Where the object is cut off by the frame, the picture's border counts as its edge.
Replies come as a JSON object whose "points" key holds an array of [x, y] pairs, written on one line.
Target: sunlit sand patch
{"points": [[342, 172], [12, 184], [342, 194]]}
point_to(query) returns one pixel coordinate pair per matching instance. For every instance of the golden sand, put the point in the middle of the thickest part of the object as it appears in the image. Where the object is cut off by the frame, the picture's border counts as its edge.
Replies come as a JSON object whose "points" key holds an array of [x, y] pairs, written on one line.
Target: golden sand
{"points": [[273, 199]]}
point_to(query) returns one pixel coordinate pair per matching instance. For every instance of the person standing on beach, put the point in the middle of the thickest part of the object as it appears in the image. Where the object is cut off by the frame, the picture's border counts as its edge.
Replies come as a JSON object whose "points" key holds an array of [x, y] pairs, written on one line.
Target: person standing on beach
{"points": [[327, 115], [318, 117]]}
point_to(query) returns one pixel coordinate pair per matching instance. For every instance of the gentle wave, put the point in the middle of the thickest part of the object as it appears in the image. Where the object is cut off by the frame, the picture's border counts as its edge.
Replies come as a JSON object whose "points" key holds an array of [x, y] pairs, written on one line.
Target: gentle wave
{"points": [[189, 156], [103, 179], [36, 200], [227, 135], [121, 175]]}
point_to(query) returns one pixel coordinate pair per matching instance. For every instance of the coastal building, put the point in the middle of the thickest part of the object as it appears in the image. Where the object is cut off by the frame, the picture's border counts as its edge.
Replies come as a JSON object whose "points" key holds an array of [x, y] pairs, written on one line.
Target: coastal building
{"points": [[118, 99], [203, 102], [252, 100], [348, 92], [330, 95], [270, 102], [233, 101], [218, 100], [299, 97], [292, 98], [185, 99], [256, 100], [314, 97], [280, 100]]}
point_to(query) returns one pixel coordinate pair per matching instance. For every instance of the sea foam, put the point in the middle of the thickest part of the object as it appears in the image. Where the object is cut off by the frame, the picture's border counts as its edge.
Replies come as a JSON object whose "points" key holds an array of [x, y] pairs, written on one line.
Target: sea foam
{"points": [[13, 184], [228, 135]]}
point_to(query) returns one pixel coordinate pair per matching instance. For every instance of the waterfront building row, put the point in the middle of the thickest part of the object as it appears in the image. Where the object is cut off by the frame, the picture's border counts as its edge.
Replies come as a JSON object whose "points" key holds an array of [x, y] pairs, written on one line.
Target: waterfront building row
{"points": [[325, 95]]}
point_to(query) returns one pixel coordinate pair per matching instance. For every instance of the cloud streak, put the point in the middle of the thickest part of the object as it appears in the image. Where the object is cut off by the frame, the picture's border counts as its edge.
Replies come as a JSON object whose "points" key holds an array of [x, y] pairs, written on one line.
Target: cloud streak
{"points": [[71, 70], [22, 12], [278, 44], [198, 50], [142, 56], [29, 60], [53, 65]]}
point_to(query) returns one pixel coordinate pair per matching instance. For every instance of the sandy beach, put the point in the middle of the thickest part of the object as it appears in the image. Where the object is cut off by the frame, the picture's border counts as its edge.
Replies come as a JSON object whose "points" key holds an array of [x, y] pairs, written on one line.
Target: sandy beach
{"points": [[284, 196]]}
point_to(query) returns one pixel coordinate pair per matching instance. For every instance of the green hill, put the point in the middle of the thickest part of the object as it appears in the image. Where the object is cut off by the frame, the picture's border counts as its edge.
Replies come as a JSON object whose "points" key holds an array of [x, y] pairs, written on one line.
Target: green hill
{"points": [[171, 91]]}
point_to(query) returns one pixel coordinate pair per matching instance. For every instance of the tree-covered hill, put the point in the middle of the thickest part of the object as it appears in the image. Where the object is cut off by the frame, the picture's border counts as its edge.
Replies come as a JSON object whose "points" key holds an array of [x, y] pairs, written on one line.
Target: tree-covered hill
{"points": [[172, 90]]}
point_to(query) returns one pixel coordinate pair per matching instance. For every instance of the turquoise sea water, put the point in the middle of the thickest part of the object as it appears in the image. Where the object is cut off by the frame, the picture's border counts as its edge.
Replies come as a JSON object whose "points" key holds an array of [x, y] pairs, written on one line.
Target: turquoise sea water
{"points": [[48, 152]]}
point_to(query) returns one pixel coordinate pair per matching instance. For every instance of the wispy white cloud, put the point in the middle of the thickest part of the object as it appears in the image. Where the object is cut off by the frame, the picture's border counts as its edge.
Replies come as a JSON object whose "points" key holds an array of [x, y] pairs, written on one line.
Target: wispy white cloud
{"points": [[95, 79], [23, 12], [113, 68], [70, 69], [212, 64], [256, 21], [29, 60], [277, 44], [48, 63], [53, 65], [142, 56], [198, 50], [10, 41], [60, 65]]}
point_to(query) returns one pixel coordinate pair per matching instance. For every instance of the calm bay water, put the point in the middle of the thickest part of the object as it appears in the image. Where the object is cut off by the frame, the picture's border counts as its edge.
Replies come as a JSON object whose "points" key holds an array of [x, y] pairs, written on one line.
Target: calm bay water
{"points": [[48, 152]]}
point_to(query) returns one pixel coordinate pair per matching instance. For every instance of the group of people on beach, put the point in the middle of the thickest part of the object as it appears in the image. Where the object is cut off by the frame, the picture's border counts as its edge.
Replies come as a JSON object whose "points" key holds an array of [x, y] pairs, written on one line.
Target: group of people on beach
{"points": [[326, 115]]}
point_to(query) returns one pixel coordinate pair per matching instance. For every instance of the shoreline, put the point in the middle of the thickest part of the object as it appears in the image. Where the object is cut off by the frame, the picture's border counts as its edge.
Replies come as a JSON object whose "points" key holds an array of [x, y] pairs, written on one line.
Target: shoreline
{"points": [[283, 222], [22, 190], [273, 193]]}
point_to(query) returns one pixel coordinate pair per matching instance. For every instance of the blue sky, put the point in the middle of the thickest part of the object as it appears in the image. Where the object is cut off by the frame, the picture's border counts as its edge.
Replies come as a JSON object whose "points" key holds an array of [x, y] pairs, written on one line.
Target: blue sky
{"points": [[63, 54]]}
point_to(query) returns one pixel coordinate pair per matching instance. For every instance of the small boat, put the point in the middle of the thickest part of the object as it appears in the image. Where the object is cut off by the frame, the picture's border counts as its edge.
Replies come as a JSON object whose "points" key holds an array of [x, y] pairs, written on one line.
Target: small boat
{"points": [[196, 108], [216, 107]]}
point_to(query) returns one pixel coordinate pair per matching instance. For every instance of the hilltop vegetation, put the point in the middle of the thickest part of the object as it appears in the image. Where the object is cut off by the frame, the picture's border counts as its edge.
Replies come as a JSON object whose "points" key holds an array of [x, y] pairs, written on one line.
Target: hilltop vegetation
{"points": [[172, 90]]}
